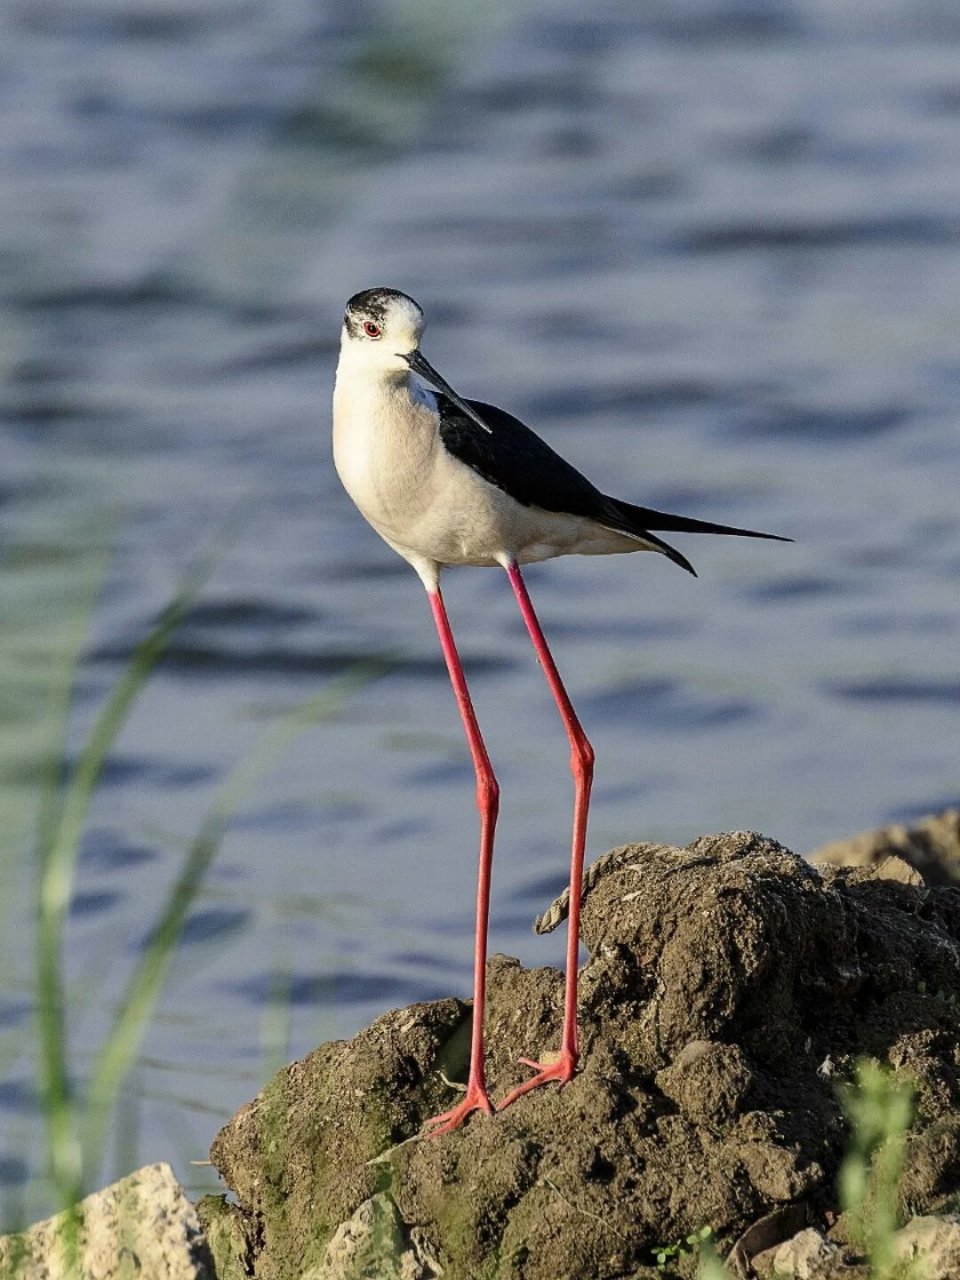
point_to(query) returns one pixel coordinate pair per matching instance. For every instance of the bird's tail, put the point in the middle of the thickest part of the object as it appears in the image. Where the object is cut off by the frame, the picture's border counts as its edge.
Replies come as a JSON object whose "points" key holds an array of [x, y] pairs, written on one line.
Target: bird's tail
{"points": [[649, 519], [639, 521]]}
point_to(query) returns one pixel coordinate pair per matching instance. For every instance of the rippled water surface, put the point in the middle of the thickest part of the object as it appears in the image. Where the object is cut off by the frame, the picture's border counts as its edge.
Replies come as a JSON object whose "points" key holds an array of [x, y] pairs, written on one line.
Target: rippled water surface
{"points": [[711, 251]]}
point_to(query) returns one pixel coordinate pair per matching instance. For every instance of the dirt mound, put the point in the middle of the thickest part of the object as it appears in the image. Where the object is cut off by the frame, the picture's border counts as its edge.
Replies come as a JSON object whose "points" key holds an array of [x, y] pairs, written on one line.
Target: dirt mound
{"points": [[730, 985]]}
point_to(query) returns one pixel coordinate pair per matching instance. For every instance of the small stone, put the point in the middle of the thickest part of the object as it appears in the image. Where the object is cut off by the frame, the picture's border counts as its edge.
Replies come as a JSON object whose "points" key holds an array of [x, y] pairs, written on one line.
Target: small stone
{"points": [[894, 868], [371, 1246], [935, 1240], [804, 1256]]}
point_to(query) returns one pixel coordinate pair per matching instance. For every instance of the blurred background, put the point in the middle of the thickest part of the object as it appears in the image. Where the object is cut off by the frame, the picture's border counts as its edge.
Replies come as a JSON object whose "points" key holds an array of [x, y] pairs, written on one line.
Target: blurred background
{"points": [[710, 249]]}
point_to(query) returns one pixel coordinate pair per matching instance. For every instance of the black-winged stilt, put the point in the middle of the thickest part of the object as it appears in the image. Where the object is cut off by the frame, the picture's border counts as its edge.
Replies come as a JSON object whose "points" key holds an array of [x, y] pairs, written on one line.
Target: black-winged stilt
{"points": [[448, 481]]}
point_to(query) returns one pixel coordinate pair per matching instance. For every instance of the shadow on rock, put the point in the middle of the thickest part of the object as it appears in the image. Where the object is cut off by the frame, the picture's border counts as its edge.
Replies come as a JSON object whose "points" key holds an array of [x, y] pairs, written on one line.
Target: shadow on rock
{"points": [[730, 986]]}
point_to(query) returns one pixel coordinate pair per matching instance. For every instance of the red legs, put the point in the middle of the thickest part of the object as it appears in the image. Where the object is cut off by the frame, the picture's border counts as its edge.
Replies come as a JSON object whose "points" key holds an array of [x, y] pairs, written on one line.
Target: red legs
{"points": [[488, 802], [581, 766]]}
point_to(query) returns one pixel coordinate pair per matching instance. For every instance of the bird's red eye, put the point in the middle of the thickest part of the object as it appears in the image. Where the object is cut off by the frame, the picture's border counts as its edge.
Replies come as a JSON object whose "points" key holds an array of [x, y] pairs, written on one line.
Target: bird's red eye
{"points": [[371, 330]]}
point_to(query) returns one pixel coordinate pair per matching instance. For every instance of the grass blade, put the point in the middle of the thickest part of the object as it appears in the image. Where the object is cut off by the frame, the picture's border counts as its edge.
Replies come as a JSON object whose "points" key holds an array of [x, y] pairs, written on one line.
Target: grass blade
{"points": [[119, 1050], [53, 899], [61, 821]]}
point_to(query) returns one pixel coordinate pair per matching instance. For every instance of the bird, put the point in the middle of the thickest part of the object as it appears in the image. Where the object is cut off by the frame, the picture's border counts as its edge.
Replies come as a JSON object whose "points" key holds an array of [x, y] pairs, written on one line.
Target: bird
{"points": [[448, 481]]}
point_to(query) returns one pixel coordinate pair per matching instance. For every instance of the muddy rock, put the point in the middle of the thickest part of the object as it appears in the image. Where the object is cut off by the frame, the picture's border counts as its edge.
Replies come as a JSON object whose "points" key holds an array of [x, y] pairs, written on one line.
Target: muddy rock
{"points": [[730, 986]]}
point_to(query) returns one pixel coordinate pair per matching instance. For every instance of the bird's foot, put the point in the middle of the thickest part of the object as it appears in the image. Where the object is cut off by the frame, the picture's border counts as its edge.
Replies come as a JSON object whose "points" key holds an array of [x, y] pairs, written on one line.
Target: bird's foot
{"points": [[475, 1099], [562, 1071]]}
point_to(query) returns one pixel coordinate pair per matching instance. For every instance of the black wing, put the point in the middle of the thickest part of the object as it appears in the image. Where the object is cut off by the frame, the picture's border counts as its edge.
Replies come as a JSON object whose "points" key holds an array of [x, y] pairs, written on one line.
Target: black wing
{"points": [[516, 460]]}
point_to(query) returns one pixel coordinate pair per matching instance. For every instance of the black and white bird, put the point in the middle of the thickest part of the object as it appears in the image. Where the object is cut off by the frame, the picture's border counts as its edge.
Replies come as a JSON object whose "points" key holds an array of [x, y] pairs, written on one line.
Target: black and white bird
{"points": [[449, 481]]}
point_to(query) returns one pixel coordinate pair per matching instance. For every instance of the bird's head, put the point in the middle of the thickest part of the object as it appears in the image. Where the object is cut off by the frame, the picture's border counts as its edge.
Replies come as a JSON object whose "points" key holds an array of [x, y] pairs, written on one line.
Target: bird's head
{"points": [[381, 336], [381, 331]]}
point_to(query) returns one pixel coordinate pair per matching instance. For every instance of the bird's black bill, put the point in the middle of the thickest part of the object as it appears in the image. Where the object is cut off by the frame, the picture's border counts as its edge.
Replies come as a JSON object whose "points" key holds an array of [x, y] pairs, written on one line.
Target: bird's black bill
{"points": [[420, 365]]}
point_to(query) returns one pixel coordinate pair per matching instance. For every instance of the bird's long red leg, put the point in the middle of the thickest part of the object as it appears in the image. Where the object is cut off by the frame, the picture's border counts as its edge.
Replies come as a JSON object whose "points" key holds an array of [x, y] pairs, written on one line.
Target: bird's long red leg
{"points": [[581, 766], [488, 802]]}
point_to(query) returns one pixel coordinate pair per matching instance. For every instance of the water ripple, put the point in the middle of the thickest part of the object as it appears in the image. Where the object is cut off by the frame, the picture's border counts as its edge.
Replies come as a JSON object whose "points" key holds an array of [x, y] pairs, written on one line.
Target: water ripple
{"points": [[821, 426], [822, 234], [666, 706], [214, 923], [14, 1172], [808, 587], [331, 989], [900, 689], [109, 850], [94, 901]]}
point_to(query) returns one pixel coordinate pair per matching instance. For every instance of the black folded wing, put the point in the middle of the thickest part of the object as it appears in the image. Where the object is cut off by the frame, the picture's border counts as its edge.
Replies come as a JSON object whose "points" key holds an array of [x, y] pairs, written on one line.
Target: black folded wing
{"points": [[515, 459]]}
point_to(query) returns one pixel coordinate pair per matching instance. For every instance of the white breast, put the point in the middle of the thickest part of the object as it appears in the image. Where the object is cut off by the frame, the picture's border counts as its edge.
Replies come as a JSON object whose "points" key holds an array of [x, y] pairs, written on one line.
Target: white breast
{"points": [[424, 503], [384, 447]]}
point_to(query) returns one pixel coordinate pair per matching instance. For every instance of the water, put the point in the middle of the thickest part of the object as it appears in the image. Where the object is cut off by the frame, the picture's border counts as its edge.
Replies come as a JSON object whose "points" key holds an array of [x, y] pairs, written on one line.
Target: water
{"points": [[710, 251]]}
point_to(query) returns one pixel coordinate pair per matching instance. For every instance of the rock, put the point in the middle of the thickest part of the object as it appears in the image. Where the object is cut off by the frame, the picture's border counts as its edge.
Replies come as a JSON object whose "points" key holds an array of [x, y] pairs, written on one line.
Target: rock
{"points": [[143, 1225], [807, 1256], [372, 1245], [934, 1243], [722, 977], [931, 847], [894, 868], [752, 1255], [228, 1237]]}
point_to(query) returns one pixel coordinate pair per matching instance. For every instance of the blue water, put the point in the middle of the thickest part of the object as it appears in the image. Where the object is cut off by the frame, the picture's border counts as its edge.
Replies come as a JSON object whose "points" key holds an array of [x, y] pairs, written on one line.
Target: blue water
{"points": [[710, 251]]}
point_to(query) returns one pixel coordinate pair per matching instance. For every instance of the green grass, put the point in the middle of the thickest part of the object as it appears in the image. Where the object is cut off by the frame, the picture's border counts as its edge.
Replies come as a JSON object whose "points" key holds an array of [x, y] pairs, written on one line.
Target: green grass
{"points": [[79, 1121], [880, 1110], [65, 802], [666, 1255]]}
